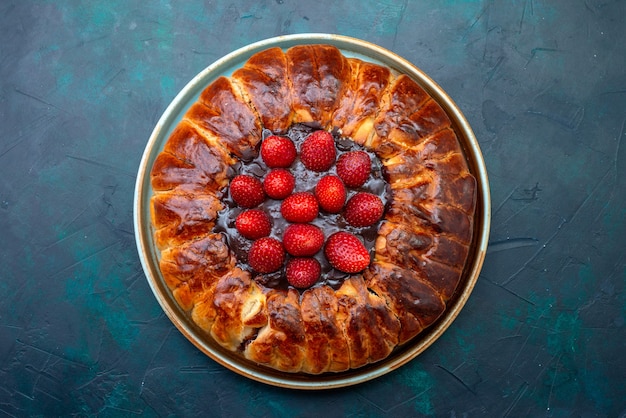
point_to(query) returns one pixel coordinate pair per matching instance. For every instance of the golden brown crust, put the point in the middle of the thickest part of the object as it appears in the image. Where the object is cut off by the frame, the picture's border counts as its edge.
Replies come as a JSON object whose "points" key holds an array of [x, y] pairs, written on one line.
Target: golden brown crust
{"points": [[372, 330], [443, 278], [239, 309], [318, 75], [264, 83], [409, 295], [423, 241], [394, 127], [221, 111], [192, 267], [321, 332], [351, 312], [281, 343], [360, 103], [326, 341], [191, 162], [180, 217], [199, 260], [403, 243]]}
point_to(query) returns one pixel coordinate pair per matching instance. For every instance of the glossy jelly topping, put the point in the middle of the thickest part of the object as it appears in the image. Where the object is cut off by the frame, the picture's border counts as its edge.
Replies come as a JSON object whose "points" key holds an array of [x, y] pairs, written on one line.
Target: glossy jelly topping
{"points": [[306, 181]]}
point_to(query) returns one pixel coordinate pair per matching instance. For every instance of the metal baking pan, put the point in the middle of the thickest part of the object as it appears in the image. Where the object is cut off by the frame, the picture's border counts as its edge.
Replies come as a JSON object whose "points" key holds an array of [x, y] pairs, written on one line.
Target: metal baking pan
{"points": [[148, 253]]}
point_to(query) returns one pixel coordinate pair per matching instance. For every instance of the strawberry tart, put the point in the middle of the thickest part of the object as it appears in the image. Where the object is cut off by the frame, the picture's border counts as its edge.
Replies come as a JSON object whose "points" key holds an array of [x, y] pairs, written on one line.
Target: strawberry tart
{"points": [[313, 212]]}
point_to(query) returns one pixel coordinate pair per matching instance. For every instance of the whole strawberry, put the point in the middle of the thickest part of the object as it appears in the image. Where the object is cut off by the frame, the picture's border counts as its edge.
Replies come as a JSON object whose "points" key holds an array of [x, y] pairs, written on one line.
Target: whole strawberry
{"points": [[330, 193], [279, 183], [363, 209], [300, 207], [253, 224], [303, 239], [317, 152], [303, 272], [346, 252], [354, 168], [278, 151], [266, 255], [247, 191]]}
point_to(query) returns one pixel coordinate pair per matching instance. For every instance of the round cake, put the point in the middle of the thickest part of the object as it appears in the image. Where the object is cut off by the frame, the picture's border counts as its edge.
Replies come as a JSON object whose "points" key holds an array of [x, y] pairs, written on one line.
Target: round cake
{"points": [[313, 212]]}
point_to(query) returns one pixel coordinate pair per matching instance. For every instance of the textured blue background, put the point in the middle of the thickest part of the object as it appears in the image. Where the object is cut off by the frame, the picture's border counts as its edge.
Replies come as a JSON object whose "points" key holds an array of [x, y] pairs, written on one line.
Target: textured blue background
{"points": [[543, 84]]}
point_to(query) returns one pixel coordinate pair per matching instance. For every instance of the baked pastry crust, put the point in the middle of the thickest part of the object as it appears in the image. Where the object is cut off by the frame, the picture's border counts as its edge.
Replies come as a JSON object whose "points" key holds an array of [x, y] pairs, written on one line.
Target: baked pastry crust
{"points": [[423, 240]]}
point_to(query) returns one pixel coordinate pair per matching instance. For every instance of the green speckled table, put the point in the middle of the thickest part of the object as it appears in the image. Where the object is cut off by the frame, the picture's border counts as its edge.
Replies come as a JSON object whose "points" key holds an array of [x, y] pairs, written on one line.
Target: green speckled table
{"points": [[543, 84]]}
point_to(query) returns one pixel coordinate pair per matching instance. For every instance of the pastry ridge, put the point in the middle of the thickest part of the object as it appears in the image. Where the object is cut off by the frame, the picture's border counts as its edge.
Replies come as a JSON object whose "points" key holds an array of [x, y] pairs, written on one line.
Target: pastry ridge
{"points": [[264, 83], [423, 241]]}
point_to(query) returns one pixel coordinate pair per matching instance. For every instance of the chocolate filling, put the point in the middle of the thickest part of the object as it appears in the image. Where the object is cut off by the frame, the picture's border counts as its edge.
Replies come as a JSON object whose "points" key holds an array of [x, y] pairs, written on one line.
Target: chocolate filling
{"points": [[306, 180]]}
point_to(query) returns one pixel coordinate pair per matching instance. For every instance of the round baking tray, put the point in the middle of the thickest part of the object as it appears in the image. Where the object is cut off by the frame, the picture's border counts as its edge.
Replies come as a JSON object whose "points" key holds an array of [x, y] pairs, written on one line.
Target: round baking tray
{"points": [[148, 253]]}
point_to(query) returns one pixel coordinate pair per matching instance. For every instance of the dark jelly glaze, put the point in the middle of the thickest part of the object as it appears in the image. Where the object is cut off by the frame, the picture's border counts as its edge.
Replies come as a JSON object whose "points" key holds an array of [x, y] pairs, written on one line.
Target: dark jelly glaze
{"points": [[306, 180]]}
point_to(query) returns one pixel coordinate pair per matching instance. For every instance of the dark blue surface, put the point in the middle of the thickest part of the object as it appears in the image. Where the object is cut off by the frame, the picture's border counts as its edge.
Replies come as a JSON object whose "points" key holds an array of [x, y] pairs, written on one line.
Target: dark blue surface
{"points": [[542, 83]]}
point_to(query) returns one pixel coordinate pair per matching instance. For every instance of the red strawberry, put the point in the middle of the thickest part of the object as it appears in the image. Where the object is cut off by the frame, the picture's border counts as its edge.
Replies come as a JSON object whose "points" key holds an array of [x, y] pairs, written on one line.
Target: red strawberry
{"points": [[300, 207], [246, 191], [266, 255], [331, 193], [346, 252], [318, 152], [278, 151], [253, 224], [303, 239], [363, 209], [303, 272], [279, 183], [354, 168]]}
